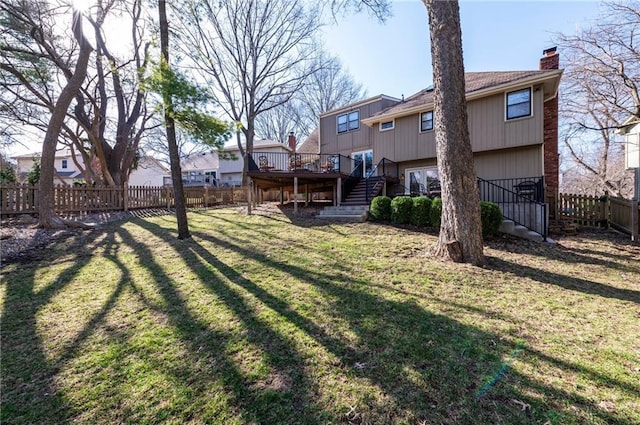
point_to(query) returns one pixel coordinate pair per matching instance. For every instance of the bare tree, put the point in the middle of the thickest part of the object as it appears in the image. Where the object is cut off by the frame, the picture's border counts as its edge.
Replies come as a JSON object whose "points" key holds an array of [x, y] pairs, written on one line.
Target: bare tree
{"points": [[109, 117], [460, 237], [254, 54], [34, 42], [600, 91], [329, 87]]}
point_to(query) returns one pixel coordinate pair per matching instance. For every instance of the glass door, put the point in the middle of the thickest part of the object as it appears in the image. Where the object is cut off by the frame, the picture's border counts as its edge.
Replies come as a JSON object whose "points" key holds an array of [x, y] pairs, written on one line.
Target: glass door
{"points": [[422, 181], [365, 158]]}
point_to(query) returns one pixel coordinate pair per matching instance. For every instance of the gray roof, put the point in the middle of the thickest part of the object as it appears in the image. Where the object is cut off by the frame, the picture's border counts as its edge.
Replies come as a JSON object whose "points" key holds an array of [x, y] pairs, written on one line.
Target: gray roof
{"points": [[474, 82]]}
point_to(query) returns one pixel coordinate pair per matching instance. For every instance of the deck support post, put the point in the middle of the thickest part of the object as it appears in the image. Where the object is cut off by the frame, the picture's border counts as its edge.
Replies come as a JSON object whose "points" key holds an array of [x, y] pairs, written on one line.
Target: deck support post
{"points": [[306, 195], [338, 191], [281, 195], [295, 196]]}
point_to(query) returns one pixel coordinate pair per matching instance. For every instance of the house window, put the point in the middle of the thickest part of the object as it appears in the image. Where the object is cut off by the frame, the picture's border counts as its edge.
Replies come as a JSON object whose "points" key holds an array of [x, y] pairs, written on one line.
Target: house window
{"points": [[519, 104], [348, 122], [64, 164], [387, 125], [426, 121]]}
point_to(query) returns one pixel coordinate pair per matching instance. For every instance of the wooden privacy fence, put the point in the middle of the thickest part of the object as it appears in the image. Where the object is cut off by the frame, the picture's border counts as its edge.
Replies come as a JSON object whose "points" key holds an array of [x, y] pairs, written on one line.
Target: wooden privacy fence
{"points": [[601, 211], [23, 199]]}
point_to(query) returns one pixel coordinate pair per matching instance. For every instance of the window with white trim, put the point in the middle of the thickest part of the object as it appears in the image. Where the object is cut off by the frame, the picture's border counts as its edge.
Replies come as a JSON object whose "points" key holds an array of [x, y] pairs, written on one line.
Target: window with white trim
{"points": [[387, 125], [426, 121], [348, 122], [65, 164], [518, 104]]}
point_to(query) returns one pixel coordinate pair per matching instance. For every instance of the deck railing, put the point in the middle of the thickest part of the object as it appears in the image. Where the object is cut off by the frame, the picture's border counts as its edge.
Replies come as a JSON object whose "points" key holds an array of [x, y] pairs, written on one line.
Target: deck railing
{"points": [[284, 162]]}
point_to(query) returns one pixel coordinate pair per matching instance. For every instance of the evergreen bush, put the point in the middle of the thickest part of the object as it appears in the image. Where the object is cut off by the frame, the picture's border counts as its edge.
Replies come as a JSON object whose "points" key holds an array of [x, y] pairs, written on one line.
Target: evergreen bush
{"points": [[380, 209], [420, 211], [436, 213], [401, 207], [491, 218]]}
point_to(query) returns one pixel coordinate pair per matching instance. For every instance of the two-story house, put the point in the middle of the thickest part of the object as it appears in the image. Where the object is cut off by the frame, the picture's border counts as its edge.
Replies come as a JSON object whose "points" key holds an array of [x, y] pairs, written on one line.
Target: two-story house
{"points": [[513, 125], [67, 170]]}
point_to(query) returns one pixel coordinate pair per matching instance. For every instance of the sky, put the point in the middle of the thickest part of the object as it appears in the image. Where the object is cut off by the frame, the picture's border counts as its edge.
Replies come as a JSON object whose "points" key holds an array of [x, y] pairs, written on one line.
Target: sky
{"points": [[394, 58]]}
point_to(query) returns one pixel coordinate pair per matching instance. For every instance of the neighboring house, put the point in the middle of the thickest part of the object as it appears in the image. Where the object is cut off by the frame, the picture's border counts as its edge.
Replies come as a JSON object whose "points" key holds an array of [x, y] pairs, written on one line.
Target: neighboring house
{"points": [[66, 169], [149, 172], [311, 144], [630, 129], [231, 170], [208, 169]]}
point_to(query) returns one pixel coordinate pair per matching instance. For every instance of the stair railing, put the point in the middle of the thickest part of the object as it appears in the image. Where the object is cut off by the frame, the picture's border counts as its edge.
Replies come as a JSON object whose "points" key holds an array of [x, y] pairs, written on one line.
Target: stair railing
{"points": [[521, 209], [387, 167]]}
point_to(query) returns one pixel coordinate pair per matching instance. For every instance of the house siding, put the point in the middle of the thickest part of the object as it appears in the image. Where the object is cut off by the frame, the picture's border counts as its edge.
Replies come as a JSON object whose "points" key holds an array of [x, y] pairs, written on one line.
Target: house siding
{"points": [[487, 128], [510, 163], [504, 164], [351, 141]]}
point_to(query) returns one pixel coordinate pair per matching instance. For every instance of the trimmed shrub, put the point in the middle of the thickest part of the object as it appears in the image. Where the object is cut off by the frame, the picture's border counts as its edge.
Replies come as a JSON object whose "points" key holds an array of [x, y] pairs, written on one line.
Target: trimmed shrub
{"points": [[491, 218], [380, 209], [420, 211], [401, 209], [436, 213]]}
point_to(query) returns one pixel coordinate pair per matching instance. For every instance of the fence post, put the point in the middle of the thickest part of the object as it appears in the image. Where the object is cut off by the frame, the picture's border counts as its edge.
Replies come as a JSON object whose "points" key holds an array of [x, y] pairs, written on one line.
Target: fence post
{"points": [[634, 219], [125, 196], [249, 190]]}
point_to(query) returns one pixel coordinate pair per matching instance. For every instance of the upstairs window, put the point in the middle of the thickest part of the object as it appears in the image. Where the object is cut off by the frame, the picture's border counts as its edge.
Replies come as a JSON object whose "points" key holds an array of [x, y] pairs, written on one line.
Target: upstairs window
{"points": [[386, 125], [348, 122], [64, 164], [519, 104], [426, 121]]}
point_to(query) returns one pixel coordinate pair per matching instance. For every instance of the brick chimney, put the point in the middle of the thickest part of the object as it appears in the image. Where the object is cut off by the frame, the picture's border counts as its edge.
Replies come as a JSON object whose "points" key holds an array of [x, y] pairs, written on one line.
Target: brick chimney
{"points": [[292, 142], [551, 60]]}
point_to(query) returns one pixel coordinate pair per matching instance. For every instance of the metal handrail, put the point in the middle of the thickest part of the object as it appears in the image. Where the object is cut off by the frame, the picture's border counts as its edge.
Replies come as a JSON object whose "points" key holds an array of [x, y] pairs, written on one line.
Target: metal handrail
{"points": [[521, 209], [386, 170]]}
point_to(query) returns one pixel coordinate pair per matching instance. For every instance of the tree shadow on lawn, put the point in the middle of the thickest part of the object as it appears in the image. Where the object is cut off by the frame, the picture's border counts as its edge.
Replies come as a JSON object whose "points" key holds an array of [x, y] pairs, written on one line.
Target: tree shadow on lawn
{"points": [[406, 365], [562, 280], [431, 366], [624, 260], [29, 393]]}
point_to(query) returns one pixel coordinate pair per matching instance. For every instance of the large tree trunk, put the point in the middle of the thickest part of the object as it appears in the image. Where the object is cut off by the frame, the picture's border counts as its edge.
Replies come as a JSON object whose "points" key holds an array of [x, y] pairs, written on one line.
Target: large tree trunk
{"points": [[461, 229], [46, 213], [174, 156]]}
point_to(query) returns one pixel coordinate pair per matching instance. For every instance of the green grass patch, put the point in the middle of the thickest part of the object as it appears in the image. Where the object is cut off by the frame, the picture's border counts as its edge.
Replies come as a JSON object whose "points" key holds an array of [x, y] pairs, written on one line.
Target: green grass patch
{"points": [[271, 320]]}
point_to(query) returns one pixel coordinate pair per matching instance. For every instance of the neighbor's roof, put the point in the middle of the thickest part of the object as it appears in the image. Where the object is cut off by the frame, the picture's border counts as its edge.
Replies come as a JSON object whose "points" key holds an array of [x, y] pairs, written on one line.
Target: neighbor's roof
{"points": [[477, 84], [74, 174], [628, 125], [200, 161], [311, 144]]}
